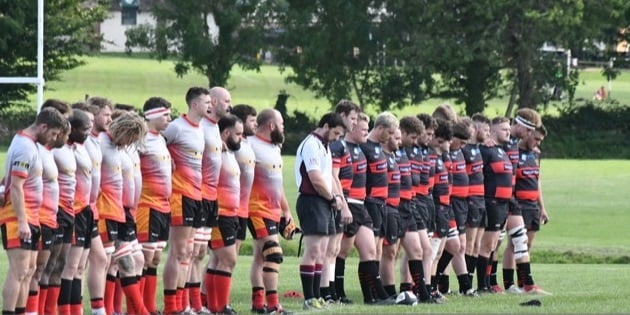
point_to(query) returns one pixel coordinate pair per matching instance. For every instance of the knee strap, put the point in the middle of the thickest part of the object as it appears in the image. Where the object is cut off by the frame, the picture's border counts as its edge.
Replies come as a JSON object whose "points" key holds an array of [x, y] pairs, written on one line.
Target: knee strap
{"points": [[519, 241]]}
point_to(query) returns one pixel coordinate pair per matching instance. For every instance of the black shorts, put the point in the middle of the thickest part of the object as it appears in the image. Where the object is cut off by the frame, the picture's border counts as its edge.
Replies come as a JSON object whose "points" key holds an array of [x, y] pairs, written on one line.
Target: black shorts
{"points": [[514, 207], [189, 212], [360, 217], [497, 212], [421, 212], [111, 228], [430, 204], [261, 227], [209, 214], [315, 215], [83, 228], [337, 222], [476, 212], [376, 209], [241, 234], [443, 216], [224, 234], [11, 239], [127, 230], [406, 209], [460, 210], [65, 229], [531, 217], [158, 229], [48, 236], [392, 231]]}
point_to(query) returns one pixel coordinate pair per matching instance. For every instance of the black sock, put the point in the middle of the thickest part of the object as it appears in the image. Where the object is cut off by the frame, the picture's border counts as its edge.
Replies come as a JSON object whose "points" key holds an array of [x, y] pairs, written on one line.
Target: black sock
{"points": [[390, 289], [317, 278], [464, 284], [434, 281], [340, 270], [443, 283], [524, 273], [445, 259], [75, 295], [306, 275], [471, 262], [65, 292], [364, 281], [333, 292], [508, 278], [378, 285], [482, 265], [325, 293], [405, 286], [417, 274]]}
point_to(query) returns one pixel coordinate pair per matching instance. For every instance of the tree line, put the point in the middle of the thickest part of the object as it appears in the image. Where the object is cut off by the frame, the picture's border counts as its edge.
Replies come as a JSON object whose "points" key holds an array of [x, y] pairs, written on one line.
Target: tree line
{"points": [[383, 53]]}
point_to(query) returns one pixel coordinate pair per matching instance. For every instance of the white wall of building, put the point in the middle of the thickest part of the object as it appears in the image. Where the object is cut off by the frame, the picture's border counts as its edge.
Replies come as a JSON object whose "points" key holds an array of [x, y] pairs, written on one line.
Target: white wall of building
{"points": [[113, 31]]}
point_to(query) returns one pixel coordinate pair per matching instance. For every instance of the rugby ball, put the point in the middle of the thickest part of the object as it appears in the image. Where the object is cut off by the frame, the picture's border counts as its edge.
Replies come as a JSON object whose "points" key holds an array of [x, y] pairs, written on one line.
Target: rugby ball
{"points": [[406, 298]]}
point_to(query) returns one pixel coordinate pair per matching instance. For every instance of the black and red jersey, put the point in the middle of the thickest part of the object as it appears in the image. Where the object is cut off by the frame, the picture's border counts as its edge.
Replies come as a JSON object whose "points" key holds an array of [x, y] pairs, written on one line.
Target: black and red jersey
{"points": [[474, 169], [359, 171], [511, 149], [426, 173], [404, 165], [376, 183], [431, 162], [527, 174], [497, 172], [393, 181], [415, 161], [342, 160], [442, 181], [460, 176]]}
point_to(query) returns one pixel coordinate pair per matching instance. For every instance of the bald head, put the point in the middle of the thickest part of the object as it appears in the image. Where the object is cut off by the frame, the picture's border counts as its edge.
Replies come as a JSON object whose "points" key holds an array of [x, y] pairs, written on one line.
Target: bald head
{"points": [[270, 125], [221, 102]]}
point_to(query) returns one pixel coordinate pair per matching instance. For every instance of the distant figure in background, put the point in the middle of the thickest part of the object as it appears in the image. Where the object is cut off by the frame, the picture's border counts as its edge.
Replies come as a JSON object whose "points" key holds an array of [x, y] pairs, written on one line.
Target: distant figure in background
{"points": [[600, 94]]}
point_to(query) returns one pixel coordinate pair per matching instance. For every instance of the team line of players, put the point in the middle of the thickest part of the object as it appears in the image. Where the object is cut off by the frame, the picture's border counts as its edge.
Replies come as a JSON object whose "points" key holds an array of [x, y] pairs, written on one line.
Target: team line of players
{"points": [[84, 189]]}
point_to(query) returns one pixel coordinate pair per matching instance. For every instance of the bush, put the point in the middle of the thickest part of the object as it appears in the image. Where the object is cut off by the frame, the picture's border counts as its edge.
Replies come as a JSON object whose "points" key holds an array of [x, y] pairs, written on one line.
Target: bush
{"points": [[589, 131], [13, 119], [296, 128]]}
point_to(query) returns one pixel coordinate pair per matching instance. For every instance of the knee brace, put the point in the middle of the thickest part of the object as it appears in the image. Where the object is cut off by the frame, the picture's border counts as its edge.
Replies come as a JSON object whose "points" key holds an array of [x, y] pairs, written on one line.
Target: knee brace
{"points": [[272, 256], [519, 241]]}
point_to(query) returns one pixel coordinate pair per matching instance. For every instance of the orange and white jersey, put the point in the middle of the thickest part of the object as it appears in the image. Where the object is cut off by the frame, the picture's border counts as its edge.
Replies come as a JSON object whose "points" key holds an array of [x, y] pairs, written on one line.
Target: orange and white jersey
{"points": [[229, 189], [211, 165], [155, 165], [247, 162], [23, 161], [67, 168], [109, 201], [83, 177], [267, 192], [93, 147], [50, 197], [129, 183], [185, 143]]}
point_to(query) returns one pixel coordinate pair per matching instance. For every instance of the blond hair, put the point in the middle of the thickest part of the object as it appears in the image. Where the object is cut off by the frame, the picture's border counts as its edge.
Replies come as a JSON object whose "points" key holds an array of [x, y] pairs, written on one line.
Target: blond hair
{"points": [[127, 129]]}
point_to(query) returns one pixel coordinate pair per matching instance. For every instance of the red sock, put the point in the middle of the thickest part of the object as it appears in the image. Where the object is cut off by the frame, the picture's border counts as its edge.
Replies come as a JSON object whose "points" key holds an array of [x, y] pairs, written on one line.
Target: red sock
{"points": [[150, 289], [170, 302], [43, 293], [207, 282], [76, 308], [186, 297], [108, 298], [223, 280], [272, 298], [195, 296], [51, 299], [135, 305], [211, 291], [204, 299], [258, 297], [32, 302], [118, 297], [97, 304], [141, 281], [64, 309], [178, 301]]}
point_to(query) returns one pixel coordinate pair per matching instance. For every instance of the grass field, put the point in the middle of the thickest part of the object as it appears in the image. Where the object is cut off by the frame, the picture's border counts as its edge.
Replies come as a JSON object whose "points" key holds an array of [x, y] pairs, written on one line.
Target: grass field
{"points": [[586, 200], [133, 80]]}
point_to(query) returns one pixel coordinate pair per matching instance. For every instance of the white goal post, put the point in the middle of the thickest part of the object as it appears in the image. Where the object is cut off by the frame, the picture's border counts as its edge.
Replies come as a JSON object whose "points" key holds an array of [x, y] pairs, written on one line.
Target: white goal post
{"points": [[39, 80]]}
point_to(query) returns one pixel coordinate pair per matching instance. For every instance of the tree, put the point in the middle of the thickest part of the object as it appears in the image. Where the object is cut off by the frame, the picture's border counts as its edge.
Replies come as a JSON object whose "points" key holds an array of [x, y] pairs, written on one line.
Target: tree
{"points": [[341, 49], [68, 35], [206, 36], [460, 39]]}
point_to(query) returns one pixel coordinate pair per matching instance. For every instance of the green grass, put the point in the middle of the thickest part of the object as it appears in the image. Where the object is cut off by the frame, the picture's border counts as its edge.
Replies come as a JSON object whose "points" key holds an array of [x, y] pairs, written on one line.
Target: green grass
{"points": [[133, 80]]}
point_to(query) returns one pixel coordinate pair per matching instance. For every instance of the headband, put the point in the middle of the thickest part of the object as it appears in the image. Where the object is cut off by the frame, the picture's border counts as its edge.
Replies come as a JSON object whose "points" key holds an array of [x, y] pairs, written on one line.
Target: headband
{"points": [[156, 113], [524, 122]]}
